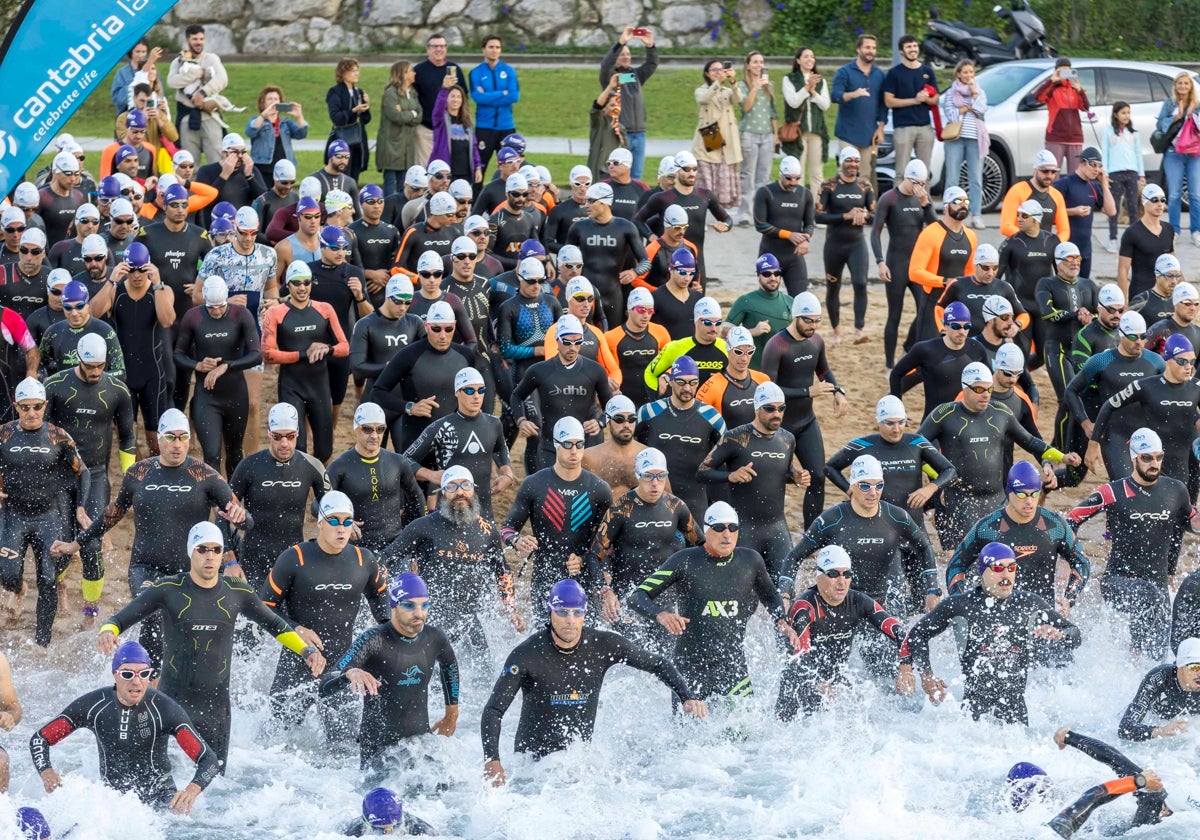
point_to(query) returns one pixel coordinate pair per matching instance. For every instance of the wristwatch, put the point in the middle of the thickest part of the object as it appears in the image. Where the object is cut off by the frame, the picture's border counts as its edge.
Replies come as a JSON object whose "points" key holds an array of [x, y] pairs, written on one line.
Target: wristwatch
{"points": [[1139, 781], [158, 287], [408, 407]]}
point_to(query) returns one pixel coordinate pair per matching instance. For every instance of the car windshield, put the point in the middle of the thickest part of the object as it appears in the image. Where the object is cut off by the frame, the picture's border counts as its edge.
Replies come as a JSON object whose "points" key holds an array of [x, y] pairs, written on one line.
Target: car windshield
{"points": [[1003, 80]]}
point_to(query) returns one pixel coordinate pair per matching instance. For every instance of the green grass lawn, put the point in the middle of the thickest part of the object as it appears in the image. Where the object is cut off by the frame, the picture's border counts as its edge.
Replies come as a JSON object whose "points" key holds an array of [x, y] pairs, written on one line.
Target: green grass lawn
{"points": [[554, 103]]}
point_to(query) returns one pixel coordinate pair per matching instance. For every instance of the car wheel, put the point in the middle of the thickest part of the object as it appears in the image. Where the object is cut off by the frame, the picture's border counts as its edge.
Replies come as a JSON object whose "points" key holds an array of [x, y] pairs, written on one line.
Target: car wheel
{"points": [[995, 181]]}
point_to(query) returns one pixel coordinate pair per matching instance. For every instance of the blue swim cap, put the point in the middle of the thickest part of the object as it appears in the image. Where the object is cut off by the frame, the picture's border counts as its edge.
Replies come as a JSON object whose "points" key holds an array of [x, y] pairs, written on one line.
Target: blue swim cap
{"points": [[995, 552], [32, 824], [1023, 478], [75, 292], [1176, 345], [682, 258], [137, 254], [956, 313], [109, 187], [405, 586], [381, 808], [566, 594], [1026, 785], [220, 225], [684, 366], [130, 652], [224, 210]]}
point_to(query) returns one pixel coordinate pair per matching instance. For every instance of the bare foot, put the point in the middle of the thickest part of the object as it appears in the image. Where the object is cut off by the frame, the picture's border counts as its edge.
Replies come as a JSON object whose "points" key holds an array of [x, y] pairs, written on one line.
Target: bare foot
{"points": [[11, 603], [837, 336], [861, 337], [88, 621]]}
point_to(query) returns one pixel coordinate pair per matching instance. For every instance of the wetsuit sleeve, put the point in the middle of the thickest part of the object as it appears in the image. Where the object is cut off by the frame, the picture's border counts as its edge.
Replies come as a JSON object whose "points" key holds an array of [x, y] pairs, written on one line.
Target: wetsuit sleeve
{"points": [[148, 601], [881, 215], [1096, 749], [1080, 382], [75, 716], [1046, 304], [1071, 635], [1153, 686], [258, 612], [365, 646], [937, 466], [1128, 395], [915, 649], [359, 365], [1035, 446], [250, 341], [641, 600], [807, 545], [884, 622], [710, 471], [448, 665], [184, 341], [768, 592], [661, 363], [124, 419], [518, 514], [414, 496], [1096, 501], [278, 585], [916, 554], [826, 217], [272, 355], [652, 663], [1008, 210], [387, 391], [924, 262], [113, 514], [528, 384], [607, 533], [176, 721], [907, 372], [341, 347], [1072, 818], [834, 466], [1062, 222], [1071, 550], [959, 571], [503, 693]]}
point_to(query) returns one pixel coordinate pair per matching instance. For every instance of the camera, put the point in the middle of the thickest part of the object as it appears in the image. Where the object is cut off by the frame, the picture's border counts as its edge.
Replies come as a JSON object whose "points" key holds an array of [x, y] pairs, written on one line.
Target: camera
{"points": [[284, 107], [728, 65], [627, 78]]}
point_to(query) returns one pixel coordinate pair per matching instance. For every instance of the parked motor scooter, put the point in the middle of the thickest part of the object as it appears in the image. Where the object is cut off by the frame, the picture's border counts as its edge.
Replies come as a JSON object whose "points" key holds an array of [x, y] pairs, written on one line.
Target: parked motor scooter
{"points": [[949, 42]]}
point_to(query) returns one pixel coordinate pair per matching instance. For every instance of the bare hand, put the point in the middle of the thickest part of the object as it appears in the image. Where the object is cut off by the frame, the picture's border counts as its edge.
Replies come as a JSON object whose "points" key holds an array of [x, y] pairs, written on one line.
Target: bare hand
{"points": [[743, 475], [228, 165], [424, 408], [233, 513], [81, 516], [63, 549], [316, 351], [316, 663], [919, 498], [885, 273], [7, 721], [934, 689], [840, 405], [819, 389], [526, 544], [106, 642], [674, 623], [207, 363], [1047, 632], [51, 781], [501, 481], [1153, 781], [182, 802], [237, 300], [574, 564], [248, 166], [1072, 459], [355, 286], [528, 429], [449, 722], [215, 374], [310, 637], [627, 276], [493, 771], [696, 708], [906, 682], [1169, 730], [1093, 458], [591, 427], [931, 601], [1084, 316], [1060, 737], [801, 477], [518, 621], [610, 607]]}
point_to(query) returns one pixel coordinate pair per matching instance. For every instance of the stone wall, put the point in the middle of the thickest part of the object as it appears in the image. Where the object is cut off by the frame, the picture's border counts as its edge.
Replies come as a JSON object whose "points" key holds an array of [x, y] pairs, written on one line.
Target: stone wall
{"points": [[290, 27]]}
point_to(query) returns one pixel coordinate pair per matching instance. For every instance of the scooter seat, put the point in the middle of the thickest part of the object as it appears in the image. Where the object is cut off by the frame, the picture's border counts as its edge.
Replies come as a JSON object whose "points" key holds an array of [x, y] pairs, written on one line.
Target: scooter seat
{"points": [[980, 31]]}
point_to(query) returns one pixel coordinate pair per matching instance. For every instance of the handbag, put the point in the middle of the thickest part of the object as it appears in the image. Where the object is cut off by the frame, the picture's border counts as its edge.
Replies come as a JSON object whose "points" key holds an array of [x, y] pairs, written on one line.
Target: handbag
{"points": [[1188, 141], [713, 139], [1160, 141], [789, 132], [952, 131]]}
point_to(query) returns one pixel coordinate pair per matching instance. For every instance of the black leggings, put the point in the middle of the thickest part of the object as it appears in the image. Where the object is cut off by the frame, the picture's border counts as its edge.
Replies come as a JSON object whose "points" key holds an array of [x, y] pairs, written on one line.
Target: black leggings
{"points": [[895, 290], [151, 399], [99, 492], [1124, 185], [221, 419], [810, 451], [1149, 609], [311, 400], [839, 255], [795, 274], [17, 533], [770, 539]]}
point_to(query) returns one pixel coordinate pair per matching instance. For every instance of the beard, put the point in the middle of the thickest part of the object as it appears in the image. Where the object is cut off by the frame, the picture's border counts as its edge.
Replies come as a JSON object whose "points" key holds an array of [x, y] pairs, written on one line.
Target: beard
{"points": [[959, 213], [459, 517]]}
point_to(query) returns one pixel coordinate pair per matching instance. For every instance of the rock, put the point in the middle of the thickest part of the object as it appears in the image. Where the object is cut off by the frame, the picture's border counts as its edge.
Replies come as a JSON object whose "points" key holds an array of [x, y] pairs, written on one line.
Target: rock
{"points": [[755, 15], [621, 13], [594, 38], [543, 18], [447, 9], [218, 38], [394, 11], [681, 19], [287, 11], [277, 39], [206, 10], [482, 11], [334, 39]]}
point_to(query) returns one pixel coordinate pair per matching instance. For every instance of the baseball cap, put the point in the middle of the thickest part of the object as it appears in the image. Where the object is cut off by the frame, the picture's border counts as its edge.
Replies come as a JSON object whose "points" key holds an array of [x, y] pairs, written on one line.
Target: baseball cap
{"points": [[1091, 155], [232, 141], [805, 305], [416, 177], [94, 244], [976, 373], [1167, 263], [123, 154], [996, 306], [298, 270], [1151, 191], [474, 223], [246, 219], [985, 252], [333, 236], [1188, 652], [739, 337], [766, 262], [637, 297], [580, 171], [531, 268], [173, 420], [516, 182], [284, 170], [666, 167], [440, 313], [175, 192], [568, 428], [649, 460], [464, 245], [675, 215], [430, 261], [953, 193], [956, 312], [767, 393], [706, 307], [568, 325], [398, 286], [683, 366], [1131, 323], [620, 404], [601, 193], [1176, 345], [204, 533], [1110, 295], [849, 153], [1023, 477], [720, 513], [1009, 357], [1045, 159], [337, 147], [507, 154], [1063, 250], [621, 155], [1031, 207], [182, 157], [283, 417], [337, 200], [514, 141], [29, 389], [461, 189], [1144, 441], [369, 412], [890, 407], [216, 292], [531, 248], [682, 258], [916, 170], [307, 204], [1184, 291], [335, 501], [866, 468], [442, 204], [832, 557], [467, 377], [579, 286], [993, 553], [456, 473], [790, 165]]}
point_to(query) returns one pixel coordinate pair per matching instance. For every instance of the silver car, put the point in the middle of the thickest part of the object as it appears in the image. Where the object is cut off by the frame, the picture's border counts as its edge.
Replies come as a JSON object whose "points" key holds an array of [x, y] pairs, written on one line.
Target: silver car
{"points": [[1016, 123]]}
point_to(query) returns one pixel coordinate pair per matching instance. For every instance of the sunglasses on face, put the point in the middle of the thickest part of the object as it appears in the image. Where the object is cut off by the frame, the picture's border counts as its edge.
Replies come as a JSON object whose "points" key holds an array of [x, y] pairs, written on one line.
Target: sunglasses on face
{"points": [[980, 389], [1000, 568], [123, 221], [98, 259], [464, 256], [30, 407], [961, 202], [584, 298], [310, 216], [472, 390], [520, 194], [373, 430], [444, 328], [177, 205], [958, 327], [834, 574], [87, 221], [710, 322], [56, 292], [15, 229], [214, 550], [1155, 200], [1116, 310], [400, 300], [1011, 374], [300, 282], [429, 275], [37, 252], [771, 409], [441, 176], [770, 274], [722, 527], [280, 436]]}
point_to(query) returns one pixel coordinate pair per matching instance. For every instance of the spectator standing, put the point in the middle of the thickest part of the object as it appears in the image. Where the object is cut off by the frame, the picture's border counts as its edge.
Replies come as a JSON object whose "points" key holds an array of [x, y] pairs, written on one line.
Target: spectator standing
{"points": [[271, 132], [135, 61], [197, 77], [454, 135], [605, 133], [619, 62], [429, 74], [806, 99], [966, 102], [858, 91], [495, 89], [1086, 191], [396, 140], [759, 129], [349, 111], [1122, 158], [1064, 97], [906, 90], [719, 167], [1181, 106]]}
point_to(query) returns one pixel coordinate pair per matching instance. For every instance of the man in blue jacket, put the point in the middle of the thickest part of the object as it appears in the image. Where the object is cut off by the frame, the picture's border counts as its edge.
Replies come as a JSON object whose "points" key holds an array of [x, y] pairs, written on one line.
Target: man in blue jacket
{"points": [[858, 91], [495, 90]]}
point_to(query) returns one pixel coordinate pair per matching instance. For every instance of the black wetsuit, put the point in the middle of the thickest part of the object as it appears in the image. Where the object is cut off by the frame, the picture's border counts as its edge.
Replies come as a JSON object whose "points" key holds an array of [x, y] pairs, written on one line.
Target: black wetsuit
{"points": [[331, 285], [1149, 804], [510, 229], [997, 647], [905, 218], [795, 365], [778, 213], [1058, 306], [1092, 340], [414, 373], [132, 742], [323, 592], [1024, 260], [562, 216], [384, 491], [578, 390], [1147, 525], [973, 294], [276, 494], [904, 465], [59, 343], [845, 243], [147, 349], [674, 315], [698, 204], [717, 595], [36, 468], [404, 667], [633, 352], [473, 442], [1153, 306], [938, 367], [376, 339], [377, 246], [1185, 611], [826, 633], [198, 646], [561, 689], [685, 436], [1100, 378], [1160, 693], [563, 517], [760, 502], [636, 537], [608, 249], [220, 413]]}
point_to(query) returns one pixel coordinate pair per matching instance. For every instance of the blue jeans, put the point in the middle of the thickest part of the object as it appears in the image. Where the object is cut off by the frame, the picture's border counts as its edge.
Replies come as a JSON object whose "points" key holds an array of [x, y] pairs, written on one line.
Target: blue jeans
{"points": [[1175, 165], [956, 150], [637, 145], [393, 179]]}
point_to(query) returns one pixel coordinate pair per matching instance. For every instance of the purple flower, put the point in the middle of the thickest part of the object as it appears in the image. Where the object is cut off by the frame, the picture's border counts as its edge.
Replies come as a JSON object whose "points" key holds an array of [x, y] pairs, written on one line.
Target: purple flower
{"points": [[520, 48], [781, 6], [867, 5], [736, 16], [858, 30], [504, 10], [755, 34]]}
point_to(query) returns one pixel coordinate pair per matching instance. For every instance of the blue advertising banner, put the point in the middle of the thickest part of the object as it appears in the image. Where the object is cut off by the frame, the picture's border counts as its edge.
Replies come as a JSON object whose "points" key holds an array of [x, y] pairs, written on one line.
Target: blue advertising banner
{"points": [[54, 56]]}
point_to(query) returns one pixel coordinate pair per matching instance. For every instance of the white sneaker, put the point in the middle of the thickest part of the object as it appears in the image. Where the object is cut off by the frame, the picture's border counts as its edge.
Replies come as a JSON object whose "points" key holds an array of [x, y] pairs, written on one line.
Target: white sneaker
{"points": [[1196, 238], [1111, 247], [978, 224]]}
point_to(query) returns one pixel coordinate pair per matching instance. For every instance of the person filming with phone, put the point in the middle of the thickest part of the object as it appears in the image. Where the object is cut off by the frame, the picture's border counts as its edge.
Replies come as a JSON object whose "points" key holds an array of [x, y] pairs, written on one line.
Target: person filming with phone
{"points": [[1064, 97], [272, 131], [632, 113]]}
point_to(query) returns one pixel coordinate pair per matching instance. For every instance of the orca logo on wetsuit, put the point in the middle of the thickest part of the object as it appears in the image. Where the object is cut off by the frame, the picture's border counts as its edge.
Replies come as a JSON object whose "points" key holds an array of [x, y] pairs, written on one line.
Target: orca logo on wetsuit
{"points": [[170, 488], [216, 335], [652, 525], [1161, 516], [1180, 403], [281, 484], [40, 449], [340, 587], [761, 454], [680, 438], [412, 676], [743, 401]]}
